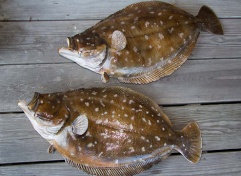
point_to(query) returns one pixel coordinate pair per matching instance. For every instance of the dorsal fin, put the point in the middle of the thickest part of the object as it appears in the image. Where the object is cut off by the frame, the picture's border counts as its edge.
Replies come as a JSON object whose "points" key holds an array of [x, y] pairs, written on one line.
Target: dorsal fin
{"points": [[80, 125], [157, 73]]}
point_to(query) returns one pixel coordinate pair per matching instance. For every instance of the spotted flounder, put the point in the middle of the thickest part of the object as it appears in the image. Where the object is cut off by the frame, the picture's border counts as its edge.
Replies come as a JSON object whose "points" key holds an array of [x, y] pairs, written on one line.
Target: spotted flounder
{"points": [[141, 43], [109, 131]]}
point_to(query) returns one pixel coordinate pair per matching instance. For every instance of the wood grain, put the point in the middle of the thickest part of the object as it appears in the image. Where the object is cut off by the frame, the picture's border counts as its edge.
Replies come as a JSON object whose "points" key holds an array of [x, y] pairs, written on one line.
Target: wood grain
{"points": [[220, 164], [219, 124], [197, 81], [91, 9], [38, 42]]}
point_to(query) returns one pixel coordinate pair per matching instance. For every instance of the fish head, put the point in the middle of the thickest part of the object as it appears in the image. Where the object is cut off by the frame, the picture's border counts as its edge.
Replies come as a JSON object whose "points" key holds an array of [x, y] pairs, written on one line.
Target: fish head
{"points": [[47, 113], [86, 49]]}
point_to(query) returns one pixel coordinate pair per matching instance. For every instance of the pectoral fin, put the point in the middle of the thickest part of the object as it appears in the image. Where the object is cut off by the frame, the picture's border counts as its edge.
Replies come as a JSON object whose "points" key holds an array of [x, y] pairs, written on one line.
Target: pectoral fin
{"points": [[80, 125], [118, 40], [51, 149]]}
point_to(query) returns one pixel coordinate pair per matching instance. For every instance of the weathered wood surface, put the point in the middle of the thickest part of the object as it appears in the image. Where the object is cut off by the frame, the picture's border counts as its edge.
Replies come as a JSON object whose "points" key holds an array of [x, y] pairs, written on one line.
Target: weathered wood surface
{"points": [[220, 126], [215, 164], [32, 31], [197, 81], [38, 42], [92, 9]]}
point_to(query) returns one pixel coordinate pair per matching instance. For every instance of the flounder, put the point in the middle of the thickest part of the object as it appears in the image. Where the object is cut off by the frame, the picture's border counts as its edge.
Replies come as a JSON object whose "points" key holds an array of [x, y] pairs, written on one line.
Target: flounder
{"points": [[109, 131], [141, 43]]}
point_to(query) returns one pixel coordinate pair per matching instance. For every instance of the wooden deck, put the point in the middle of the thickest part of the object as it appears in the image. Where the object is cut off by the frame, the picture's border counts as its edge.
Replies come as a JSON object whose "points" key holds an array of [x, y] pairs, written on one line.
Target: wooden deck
{"points": [[206, 89]]}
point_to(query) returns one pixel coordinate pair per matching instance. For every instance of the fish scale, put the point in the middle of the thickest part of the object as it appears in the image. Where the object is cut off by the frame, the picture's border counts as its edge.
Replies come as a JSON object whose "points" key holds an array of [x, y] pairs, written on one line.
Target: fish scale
{"points": [[138, 43], [112, 130]]}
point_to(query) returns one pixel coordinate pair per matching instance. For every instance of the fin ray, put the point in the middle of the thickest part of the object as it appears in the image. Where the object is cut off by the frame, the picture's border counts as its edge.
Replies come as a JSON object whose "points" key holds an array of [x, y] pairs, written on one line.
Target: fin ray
{"points": [[80, 125]]}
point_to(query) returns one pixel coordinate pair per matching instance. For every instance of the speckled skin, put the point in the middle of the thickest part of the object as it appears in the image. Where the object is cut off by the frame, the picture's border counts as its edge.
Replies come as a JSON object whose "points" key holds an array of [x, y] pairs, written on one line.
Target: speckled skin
{"points": [[159, 37], [124, 128]]}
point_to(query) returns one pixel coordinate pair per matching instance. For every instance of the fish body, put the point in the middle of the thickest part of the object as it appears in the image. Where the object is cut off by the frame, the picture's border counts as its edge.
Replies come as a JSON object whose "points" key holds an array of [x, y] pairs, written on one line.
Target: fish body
{"points": [[141, 43], [109, 131]]}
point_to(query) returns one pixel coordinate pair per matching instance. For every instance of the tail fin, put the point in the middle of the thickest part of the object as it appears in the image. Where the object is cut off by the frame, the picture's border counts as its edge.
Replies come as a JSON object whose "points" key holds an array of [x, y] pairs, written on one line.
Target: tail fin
{"points": [[191, 142], [209, 21]]}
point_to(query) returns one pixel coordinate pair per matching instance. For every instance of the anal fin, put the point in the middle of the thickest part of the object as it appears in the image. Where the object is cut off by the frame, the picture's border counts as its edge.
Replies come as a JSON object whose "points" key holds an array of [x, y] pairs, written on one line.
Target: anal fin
{"points": [[127, 170]]}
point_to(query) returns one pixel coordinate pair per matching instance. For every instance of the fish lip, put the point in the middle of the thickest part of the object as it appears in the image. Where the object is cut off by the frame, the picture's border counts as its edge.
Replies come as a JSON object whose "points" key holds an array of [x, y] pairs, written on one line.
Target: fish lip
{"points": [[24, 106], [63, 51]]}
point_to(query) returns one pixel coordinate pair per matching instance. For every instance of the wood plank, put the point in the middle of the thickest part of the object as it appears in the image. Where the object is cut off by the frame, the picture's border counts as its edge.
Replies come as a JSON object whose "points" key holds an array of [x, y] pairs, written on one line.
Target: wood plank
{"points": [[92, 9], [219, 124], [38, 42], [221, 164], [197, 81]]}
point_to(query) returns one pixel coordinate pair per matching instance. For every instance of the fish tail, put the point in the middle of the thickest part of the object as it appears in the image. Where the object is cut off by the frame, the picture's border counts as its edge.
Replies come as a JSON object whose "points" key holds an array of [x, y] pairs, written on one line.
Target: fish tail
{"points": [[191, 142], [208, 21]]}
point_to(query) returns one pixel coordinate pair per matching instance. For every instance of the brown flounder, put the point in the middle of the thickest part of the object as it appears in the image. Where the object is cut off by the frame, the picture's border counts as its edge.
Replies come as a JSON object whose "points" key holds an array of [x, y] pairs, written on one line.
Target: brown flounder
{"points": [[109, 131], [141, 43]]}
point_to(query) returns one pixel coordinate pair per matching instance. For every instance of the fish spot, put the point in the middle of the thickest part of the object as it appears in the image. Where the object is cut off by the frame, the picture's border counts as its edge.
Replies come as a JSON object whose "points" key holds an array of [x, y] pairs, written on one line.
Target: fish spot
{"points": [[147, 112], [163, 129], [144, 119], [41, 101], [147, 23], [104, 96], [131, 101], [132, 118], [139, 11], [122, 108], [135, 49], [116, 161], [130, 14], [151, 12], [150, 46], [106, 121], [131, 127], [123, 22], [126, 59], [81, 99], [112, 101], [127, 52], [125, 115], [150, 146], [143, 138], [53, 107], [87, 103], [172, 49], [157, 138], [165, 144], [161, 22], [161, 36], [149, 122], [171, 30], [94, 93], [124, 100], [131, 149], [90, 145], [129, 140], [115, 95], [170, 134], [133, 27], [136, 18], [103, 28], [146, 37], [99, 121], [159, 14], [143, 149], [102, 103], [100, 154], [180, 35], [170, 17]]}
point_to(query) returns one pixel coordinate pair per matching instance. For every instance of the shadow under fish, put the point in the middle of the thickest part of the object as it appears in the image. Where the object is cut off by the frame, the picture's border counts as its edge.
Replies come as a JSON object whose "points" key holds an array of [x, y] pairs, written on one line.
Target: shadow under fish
{"points": [[109, 131], [141, 43]]}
